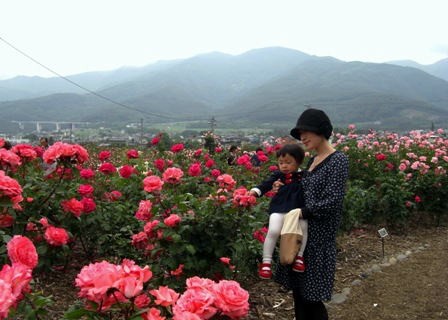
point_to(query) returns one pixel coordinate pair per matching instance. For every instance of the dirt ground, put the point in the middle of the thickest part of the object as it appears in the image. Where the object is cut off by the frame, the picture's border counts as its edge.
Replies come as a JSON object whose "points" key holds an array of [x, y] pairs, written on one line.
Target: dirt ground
{"points": [[414, 288]]}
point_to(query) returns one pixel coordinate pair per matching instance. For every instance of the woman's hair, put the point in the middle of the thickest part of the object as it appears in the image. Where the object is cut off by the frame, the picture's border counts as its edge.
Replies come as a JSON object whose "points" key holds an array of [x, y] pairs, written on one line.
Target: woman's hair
{"points": [[233, 148], [294, 150]]}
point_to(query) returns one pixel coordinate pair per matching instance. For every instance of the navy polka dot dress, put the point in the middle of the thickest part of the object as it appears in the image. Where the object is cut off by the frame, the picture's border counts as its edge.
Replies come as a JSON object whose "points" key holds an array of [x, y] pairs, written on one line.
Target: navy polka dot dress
{"points": [[324, 190]]}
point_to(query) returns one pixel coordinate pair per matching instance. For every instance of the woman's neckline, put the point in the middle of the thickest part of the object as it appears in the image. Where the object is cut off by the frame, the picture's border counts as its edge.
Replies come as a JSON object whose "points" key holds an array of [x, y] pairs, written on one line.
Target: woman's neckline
{"points": [[312, 168]]}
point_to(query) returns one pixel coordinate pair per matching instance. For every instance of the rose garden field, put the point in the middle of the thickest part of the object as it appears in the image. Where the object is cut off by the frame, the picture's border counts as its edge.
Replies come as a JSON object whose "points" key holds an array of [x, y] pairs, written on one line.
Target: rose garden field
{"points": [[167, 231]]}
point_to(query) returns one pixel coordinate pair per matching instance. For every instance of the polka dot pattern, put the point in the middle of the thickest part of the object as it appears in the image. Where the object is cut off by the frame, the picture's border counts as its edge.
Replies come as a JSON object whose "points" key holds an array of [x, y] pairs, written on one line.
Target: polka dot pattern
{"points": [[324, 190]]}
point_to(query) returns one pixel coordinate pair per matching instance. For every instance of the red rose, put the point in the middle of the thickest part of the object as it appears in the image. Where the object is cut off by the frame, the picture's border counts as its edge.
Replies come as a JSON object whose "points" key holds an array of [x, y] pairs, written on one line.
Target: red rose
{"points": [[104, 155], [380, 156], [195, 170], [126, 171], [159, 164], [85, 190], [89, 205], [87, 173], [177, 147], [155, 140], [73, 206], [107, 168], [132, 154]]}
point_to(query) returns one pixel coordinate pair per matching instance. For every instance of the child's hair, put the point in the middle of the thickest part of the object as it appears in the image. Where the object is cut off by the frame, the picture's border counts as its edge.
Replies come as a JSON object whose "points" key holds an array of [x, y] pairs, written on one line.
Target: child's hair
{"points": [[294, 150]]}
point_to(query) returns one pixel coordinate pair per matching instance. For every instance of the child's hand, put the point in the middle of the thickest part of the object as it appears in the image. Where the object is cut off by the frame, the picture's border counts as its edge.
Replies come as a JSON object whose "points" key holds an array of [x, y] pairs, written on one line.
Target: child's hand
{"points": [[252, 193], [277, 184]]}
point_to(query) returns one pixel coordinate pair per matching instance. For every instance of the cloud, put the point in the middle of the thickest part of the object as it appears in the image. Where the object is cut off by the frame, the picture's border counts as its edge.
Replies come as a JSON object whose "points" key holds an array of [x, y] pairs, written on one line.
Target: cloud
{"points": [[441, 49]]}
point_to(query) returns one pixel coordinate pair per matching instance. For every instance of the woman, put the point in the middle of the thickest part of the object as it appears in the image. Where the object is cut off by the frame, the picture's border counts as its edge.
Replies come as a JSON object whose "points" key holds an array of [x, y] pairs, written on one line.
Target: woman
{"points": [[324, 188]]}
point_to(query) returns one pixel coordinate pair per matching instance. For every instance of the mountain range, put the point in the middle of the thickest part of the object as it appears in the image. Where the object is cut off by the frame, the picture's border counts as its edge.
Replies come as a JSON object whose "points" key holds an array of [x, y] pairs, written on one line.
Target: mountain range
{"points": [[265, 87]]}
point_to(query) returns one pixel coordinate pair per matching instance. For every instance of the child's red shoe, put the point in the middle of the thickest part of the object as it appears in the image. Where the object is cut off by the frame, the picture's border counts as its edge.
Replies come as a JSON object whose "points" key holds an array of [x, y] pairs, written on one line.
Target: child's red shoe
{"points": [[299, 265], [264, 271]]}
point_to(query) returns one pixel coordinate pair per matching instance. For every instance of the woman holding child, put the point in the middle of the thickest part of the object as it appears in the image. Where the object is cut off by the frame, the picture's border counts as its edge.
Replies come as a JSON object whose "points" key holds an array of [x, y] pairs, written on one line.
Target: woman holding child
{"points": [[323, 184]]}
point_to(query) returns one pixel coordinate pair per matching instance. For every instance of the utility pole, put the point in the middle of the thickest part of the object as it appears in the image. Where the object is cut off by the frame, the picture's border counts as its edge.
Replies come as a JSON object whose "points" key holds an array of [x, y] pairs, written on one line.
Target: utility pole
{"points": [[212, 124], [141, 131]]}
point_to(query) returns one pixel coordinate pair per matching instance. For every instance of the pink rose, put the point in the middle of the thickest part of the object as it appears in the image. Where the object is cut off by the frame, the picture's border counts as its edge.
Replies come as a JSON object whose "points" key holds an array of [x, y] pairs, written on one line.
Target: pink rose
{"points": [[199, 301], [152, 183], [242, 198], [185, 315], [152, 314], [172, 220], [73, 206], [164, 296], [226, 181], [142, 301], [14, 283], [44, 222], [144, 210], [25, 151], [65, 152], [200, 283], [231, 299], [179, 270], [172, 175], [9, 159], [10, 188], [22, 250], [56, 236], [112, 196], [140, 240]]}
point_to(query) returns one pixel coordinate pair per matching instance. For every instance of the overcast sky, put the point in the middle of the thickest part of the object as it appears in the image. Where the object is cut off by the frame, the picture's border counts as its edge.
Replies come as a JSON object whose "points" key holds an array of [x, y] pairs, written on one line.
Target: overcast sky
{"points": [[89, 35]]}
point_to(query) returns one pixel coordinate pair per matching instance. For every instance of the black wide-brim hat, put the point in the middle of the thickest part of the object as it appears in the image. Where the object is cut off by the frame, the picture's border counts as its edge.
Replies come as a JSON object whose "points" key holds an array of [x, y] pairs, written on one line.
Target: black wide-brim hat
{"points": [[313, 120]]}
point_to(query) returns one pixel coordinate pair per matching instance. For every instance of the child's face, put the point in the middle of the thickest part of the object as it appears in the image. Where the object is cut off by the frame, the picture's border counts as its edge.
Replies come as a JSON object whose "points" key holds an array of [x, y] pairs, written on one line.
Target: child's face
{"points": [[287, 164]]}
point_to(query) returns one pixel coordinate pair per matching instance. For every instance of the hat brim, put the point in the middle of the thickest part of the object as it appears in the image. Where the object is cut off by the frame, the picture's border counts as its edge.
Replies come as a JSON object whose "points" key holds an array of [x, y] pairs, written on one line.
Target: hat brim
{"points": [[295, 132]]}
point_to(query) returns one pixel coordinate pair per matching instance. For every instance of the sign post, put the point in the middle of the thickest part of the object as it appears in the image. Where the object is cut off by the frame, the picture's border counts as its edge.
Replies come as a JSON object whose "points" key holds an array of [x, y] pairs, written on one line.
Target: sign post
{"points": [[383, 233]]}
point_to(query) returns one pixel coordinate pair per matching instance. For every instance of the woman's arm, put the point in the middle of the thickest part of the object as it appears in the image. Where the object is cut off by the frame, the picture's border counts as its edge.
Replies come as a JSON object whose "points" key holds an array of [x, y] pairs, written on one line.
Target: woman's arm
{"points": [[332, 193]]}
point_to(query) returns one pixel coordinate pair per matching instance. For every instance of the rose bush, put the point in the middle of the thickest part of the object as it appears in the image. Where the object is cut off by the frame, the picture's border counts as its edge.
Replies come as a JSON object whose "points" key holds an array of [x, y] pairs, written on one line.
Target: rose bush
{"points": [[181, 210]]}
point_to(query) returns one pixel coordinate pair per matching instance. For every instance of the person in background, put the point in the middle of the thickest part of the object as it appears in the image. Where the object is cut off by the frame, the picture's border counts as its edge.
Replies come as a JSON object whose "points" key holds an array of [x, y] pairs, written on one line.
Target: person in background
{"points": [[43, 142], [48, 168], [289, 196], [233, 155], [255, 159], [7, 145], [323, 184]]}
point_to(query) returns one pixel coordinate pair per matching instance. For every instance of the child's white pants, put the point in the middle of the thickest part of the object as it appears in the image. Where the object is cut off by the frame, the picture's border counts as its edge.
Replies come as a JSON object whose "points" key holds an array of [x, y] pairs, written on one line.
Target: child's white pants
{"points": [[275, 227]]}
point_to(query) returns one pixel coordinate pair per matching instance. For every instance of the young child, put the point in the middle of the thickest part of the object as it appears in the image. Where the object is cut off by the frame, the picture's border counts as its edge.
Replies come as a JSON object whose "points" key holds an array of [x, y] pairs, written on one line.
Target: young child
{"points": [[288, 197]]}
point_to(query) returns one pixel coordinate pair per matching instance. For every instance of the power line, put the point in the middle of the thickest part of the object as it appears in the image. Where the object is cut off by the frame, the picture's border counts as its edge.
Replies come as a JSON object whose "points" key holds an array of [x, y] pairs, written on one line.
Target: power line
{"points": [[84, 88]]}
